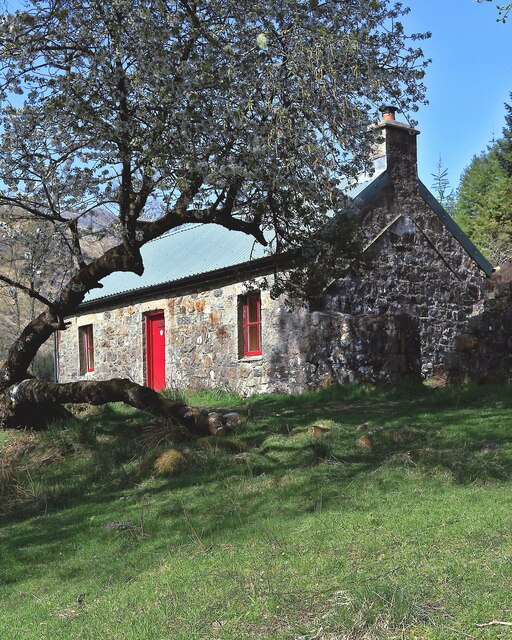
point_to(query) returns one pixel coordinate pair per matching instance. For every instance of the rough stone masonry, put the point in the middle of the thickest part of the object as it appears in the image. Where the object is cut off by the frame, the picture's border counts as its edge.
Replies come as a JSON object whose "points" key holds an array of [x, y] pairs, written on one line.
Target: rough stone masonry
{"points": [[387, 318]]}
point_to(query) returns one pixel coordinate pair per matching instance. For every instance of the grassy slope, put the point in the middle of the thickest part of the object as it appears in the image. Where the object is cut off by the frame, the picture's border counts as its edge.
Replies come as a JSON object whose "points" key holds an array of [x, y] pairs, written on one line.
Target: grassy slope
{"points": [[295, 539]]}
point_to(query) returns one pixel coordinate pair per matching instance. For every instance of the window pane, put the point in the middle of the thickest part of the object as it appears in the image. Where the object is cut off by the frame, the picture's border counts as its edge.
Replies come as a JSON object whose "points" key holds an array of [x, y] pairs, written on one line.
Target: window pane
{"points": [[249, 329], [82, 350], [254, 338], [90, 349], [86, 349], [254, 308]]}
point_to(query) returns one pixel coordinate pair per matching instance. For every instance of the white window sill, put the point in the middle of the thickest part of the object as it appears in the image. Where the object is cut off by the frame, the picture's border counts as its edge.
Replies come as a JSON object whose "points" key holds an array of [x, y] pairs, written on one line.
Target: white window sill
{"points": [[250, 358]]}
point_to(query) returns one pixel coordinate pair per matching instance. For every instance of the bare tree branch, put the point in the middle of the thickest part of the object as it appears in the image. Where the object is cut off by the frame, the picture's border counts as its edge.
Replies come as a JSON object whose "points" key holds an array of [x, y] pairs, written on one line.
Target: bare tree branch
{"points": [[28, 290]]}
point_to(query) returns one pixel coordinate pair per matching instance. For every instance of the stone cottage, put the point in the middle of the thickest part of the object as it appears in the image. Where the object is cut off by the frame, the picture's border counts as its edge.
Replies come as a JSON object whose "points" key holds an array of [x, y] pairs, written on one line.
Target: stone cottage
{"points": [[199, 317]]}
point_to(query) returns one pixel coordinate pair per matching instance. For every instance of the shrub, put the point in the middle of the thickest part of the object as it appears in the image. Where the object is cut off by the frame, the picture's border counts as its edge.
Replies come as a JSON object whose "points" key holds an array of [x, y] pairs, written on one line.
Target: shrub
{"points": [[163, 432], [71, 436]]}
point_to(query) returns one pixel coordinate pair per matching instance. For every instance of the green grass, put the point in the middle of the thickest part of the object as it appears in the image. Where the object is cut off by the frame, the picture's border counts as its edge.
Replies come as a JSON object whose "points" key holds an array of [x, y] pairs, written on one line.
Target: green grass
{"points": [[279, 535]]}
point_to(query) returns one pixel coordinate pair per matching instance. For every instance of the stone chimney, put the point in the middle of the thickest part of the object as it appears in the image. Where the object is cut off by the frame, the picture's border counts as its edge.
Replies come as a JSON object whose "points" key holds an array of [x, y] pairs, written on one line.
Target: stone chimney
{"points": [[397, 145]]}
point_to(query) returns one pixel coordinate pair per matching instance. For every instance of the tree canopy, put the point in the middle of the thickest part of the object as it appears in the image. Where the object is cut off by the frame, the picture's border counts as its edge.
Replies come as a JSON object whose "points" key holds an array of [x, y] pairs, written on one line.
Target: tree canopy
{"points": [[504, 145], [483, 206], [233, 112]]}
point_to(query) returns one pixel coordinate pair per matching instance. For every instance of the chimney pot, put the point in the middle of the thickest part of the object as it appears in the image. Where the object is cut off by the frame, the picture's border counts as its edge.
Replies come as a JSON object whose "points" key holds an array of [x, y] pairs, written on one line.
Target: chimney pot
{"points": [[388, 112]]}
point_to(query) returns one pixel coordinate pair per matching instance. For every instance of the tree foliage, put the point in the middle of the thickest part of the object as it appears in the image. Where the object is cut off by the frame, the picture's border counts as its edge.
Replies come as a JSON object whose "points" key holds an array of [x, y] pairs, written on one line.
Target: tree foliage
{"points": [[243, 114], [483, 205], [504, 145], [503, 10]]}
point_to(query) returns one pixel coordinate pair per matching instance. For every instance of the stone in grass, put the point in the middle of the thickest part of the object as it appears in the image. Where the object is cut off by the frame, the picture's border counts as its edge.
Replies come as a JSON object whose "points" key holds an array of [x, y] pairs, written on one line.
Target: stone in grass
{"points": [[402, 434], [319, 431], [231, 420], [487, 447], [365, 442], [215, 425], [363, 427]]}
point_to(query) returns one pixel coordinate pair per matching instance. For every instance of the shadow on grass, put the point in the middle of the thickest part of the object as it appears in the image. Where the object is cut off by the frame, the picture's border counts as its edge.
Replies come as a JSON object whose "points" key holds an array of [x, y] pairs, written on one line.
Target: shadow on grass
{"points": [[462, 432]]}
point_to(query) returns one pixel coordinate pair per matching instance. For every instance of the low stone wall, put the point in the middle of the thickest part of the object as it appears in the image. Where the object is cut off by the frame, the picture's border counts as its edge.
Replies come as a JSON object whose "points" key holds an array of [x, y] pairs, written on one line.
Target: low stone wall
{"points": [[482, 352]]}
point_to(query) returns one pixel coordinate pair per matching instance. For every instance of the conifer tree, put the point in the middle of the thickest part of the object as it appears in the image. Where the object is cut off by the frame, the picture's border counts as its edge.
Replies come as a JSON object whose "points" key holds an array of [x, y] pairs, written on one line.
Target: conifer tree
{"points": [[483, 204], [504, 146]]}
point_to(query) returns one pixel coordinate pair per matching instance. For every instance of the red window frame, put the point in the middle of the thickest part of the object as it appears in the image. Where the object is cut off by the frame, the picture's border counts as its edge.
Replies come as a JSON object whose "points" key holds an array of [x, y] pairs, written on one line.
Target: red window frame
{"points": [[251, 324], [86, 338]]}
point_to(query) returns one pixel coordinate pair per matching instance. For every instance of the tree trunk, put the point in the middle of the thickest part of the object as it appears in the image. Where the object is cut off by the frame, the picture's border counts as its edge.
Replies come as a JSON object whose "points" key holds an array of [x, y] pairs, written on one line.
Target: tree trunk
{"points": [[32, 402]]}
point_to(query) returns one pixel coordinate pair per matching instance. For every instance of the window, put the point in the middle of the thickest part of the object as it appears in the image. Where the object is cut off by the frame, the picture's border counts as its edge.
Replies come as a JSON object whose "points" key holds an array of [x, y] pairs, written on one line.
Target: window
{"points": [[86, 345], [250, 325]]}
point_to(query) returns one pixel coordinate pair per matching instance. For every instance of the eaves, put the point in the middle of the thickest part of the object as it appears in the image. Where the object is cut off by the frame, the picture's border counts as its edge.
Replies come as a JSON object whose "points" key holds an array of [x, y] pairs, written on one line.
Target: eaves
{"points": [[219, 277]]}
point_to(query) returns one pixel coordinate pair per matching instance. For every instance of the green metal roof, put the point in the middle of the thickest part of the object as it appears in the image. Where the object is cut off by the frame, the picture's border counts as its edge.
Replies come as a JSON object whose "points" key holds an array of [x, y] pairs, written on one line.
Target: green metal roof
{"points": [[193, 250], [187, 251]]}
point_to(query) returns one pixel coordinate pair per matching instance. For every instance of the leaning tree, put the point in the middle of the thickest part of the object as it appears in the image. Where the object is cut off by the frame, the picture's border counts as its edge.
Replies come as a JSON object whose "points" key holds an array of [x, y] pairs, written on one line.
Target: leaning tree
{"points": [[241, 113]]}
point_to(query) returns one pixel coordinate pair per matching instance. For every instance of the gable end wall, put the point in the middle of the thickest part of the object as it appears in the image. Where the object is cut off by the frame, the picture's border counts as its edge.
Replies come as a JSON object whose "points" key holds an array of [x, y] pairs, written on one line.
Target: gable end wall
{"points": [[417, 268]]}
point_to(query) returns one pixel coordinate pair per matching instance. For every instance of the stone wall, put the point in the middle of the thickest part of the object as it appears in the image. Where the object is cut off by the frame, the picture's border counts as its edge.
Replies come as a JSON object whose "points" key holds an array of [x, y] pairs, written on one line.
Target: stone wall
{"points": [[482, 352], [201, 330], [118, 343], [406, 275], [345, 348], [414, 264], [301, 350]]}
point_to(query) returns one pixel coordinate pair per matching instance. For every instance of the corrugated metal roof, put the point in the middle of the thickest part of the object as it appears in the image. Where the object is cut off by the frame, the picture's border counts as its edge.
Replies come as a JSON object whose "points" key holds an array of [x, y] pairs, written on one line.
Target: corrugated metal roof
{"points": [[187, 251], [194, 250], [197, 249]]}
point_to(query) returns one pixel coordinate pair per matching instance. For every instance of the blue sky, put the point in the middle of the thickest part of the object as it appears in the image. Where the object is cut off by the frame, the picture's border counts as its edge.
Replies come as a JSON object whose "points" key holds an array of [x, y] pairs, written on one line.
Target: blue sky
{"points": [[468, 81]]}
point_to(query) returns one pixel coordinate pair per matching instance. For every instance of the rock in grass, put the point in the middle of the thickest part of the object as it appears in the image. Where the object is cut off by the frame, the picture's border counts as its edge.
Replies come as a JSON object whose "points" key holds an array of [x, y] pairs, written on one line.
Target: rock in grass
{"points": [[319, 431], [365, 442], [487, 447], [215, 424], [402, 434], [231, 420]]}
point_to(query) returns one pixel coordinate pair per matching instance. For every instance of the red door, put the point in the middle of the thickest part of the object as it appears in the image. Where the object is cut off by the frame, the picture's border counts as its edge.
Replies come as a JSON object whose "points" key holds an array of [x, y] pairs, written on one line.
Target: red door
{"points": [[155, 350]]}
